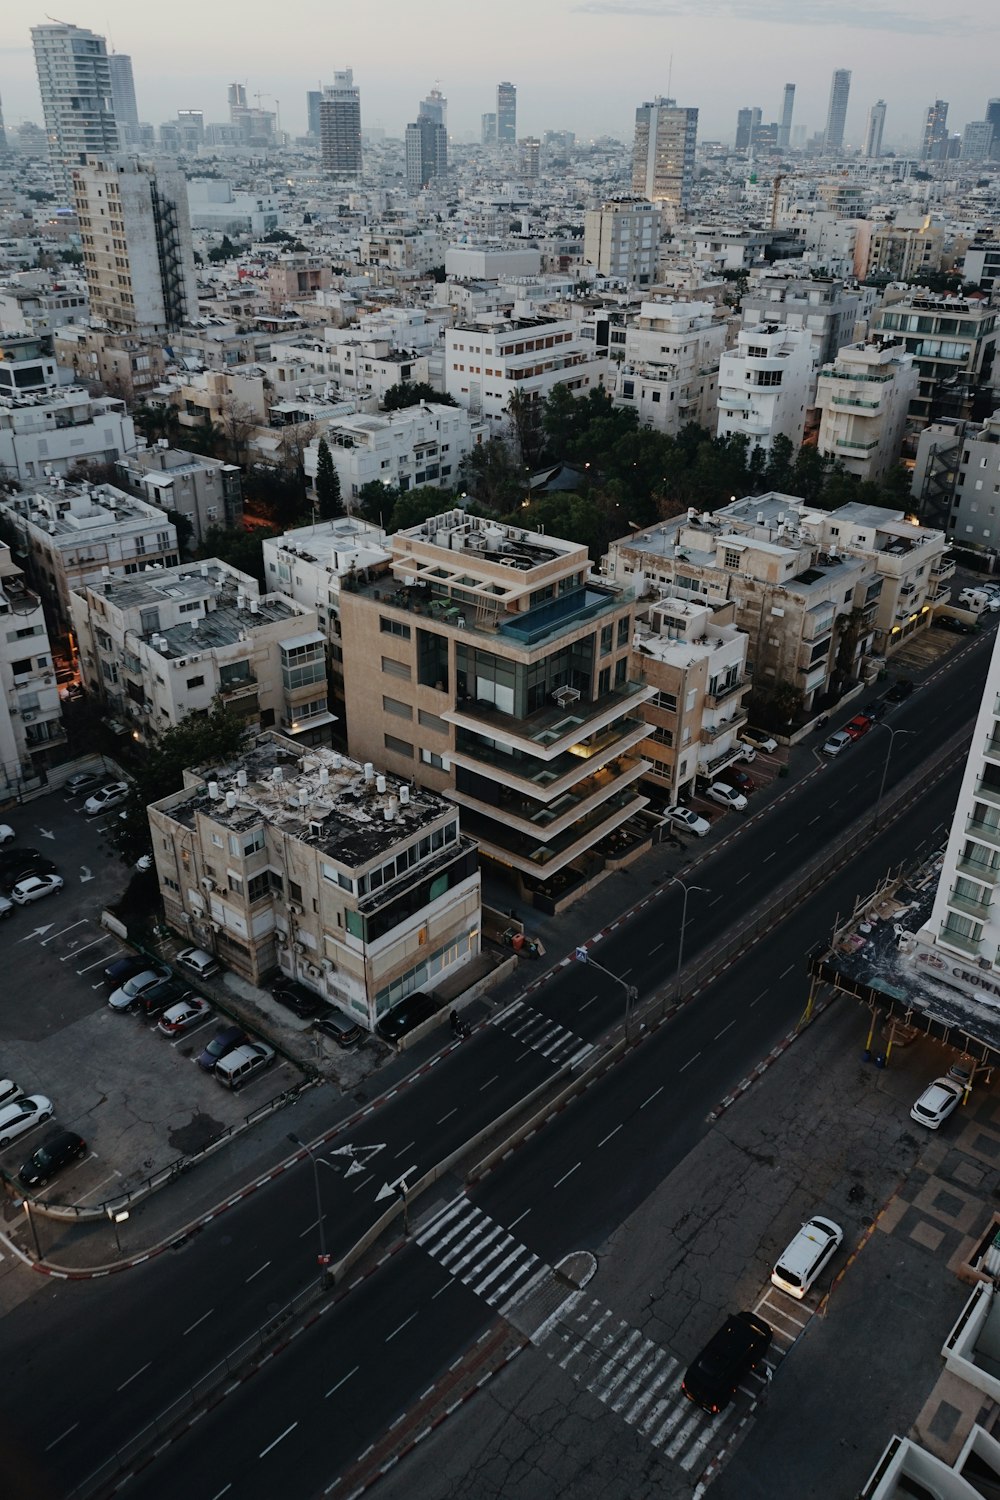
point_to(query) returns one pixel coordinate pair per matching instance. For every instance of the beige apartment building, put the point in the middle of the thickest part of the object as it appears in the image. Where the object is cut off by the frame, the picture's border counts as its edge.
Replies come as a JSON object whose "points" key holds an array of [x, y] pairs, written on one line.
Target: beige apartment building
{"points": [[358, 884], [489, 664], [864, 398]]}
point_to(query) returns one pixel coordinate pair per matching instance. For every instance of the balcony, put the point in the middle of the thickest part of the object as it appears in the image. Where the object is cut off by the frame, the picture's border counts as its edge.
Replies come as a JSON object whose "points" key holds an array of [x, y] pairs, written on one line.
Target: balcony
{"points": [[546, 780], [988, 874], [710, 733], [552, 730], [960, 941], [508, 846], [986, 833], [854, 403], [713, 699], [848, 446], [972, 908], [987, 792], [546, 820]]}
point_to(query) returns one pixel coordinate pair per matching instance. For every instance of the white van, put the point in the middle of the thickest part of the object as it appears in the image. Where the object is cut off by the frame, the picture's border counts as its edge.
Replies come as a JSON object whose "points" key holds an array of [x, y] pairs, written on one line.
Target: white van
{"points": [[242, 1063], [975, 599]]}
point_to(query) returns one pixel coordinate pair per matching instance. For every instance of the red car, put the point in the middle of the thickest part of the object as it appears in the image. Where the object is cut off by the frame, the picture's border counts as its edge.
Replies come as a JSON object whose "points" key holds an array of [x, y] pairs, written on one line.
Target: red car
{"points": [[734, 777], [858, 726]]}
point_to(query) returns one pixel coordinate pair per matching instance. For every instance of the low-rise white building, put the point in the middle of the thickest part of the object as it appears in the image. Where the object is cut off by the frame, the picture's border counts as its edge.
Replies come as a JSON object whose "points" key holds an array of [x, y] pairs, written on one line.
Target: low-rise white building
{"points": [[168, 643], [621, 239], [766, 385], [206, 491], [54, 431], [488, 361], [30, 718], [488, 262], [670, 372], [417, 445], [864, 399]]}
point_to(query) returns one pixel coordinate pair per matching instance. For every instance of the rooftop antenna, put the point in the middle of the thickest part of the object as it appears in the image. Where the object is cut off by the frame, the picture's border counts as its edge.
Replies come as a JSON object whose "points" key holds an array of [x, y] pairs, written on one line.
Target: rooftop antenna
{"points": [[670, 73]]}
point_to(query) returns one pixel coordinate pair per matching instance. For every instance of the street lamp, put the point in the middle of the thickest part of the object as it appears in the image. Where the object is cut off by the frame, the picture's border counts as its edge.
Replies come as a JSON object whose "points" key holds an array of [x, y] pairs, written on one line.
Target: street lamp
{"points": [[631, 992], [323, 1260], [117, 1216], [687, 889], [892, 733], [26, 1205]]}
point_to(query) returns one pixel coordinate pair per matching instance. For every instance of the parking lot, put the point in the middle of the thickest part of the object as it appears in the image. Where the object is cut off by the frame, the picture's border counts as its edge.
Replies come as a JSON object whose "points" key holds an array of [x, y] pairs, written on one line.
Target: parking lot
{"points": [[762, 770], [136, 1096]]}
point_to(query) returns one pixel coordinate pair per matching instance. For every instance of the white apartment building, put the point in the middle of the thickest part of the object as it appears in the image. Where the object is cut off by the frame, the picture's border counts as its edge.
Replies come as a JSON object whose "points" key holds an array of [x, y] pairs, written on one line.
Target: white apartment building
{"points": [[864, 399], [766, 385], [136, 239], [696, 659], [32, 303], [168, 643], [622, 239], [53, 431], [670, 372], [357, 883], [824, 306], [73, 533], [487, 361], [30, 718], [956, 480], [418, 445], [74, 80], [212, 204], [407, 250], [953, 343], [959, 946], [491, 261]]}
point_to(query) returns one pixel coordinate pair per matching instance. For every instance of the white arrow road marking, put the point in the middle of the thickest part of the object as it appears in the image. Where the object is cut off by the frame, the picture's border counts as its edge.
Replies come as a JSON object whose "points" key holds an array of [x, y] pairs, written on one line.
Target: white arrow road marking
{"points": [[360, 1156], [38, 932], [388, 1188], [44, 832], [85, 874]]}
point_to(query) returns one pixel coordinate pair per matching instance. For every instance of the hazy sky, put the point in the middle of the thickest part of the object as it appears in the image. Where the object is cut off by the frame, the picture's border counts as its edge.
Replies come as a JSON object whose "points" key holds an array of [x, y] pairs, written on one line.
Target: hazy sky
{"points": [[578, 64]]}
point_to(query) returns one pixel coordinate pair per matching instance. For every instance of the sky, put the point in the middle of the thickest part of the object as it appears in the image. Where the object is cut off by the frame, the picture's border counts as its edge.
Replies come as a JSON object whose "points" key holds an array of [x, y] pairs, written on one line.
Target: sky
{"points": [[580, 65]]}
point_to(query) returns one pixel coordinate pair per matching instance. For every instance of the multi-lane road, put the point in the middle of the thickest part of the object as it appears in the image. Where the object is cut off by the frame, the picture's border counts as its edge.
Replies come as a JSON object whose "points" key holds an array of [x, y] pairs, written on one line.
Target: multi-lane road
{"points": [[111, 1355]]}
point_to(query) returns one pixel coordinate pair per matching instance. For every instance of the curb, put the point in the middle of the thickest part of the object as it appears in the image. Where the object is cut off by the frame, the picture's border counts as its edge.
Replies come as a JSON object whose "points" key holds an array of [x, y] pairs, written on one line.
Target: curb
{"points": [[772, 1057]]}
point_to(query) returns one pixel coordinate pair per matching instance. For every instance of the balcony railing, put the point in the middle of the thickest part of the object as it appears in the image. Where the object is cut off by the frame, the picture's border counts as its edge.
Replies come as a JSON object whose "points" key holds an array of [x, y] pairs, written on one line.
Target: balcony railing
{"points": [[851, 403], [987, 833], [959, 940], [719, 695], [966, 904], [860, 447], [989, 874]]}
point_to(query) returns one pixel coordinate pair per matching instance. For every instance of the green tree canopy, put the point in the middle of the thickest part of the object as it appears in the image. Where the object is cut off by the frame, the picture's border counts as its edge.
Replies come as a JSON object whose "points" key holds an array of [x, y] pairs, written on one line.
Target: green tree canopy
{"points": [[241, 549], [411, 393], [328, 498]]}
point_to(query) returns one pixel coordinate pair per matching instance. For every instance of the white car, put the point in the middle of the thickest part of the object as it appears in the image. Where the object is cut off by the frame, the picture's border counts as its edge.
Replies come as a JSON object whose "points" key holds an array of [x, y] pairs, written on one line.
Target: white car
{"points": [[936, 1102], [183, 1015], [7, 834], [22, 1115], [34, 887], [6, 908], [688, 820], [113, 794], [837, 742], [759, 740], [809, 1253], [8, 1090], [727, 796]]}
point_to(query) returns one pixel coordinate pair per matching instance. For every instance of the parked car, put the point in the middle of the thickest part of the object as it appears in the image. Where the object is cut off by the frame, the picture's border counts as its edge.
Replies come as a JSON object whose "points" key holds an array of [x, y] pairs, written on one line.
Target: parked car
{"points": [[113, 794], [727, 796], [6, 908], [344, 1031], [236, 1068], [954, 624], [128, 995], [297, 997], [809, 1253], [409, 1013], [34, 887], [200, 963], [120, 969], [17, 864], [222, 1042], [57, 1152], [22, 1115], [185, 1014], [875, 710], [7, 834], [8, 1090], [858, 726], [838, 741], [684, 818], [739, 1346], [159, 997], [733, 776], [82, 781], [900, 690], [759, 740], [936, 1102]]}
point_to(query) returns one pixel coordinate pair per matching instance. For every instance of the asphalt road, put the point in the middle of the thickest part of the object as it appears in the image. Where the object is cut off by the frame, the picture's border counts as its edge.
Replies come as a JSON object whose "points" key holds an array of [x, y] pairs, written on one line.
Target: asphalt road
{"points": [[111, 1355]]}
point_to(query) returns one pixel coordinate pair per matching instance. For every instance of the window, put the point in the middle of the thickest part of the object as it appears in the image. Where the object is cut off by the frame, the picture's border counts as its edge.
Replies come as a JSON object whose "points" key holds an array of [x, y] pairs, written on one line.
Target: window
{"points": [[259, 886], [731, 558], [235, 884], [393, 627], [398, 747], [253, 841], [393, 706], [393, 668], [624, 630], [430, 758], [294, 892], [431, 721], [193, 682], [606, 638]]}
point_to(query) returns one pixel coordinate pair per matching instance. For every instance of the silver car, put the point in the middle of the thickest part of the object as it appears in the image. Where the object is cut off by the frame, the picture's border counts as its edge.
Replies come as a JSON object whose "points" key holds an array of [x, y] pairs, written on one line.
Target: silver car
{"points": [[23, 1115]]}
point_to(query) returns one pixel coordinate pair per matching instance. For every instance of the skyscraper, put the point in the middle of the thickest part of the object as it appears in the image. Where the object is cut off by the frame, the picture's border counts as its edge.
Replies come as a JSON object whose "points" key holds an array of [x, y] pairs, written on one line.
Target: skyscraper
{"points": [[136, 239], [340, 126], [488, 136], [876, 125], [3, 134], [313, 100], [426, 153], [993, 115], [74, 81], [506, 114], [785, 128], [123, 97], [747, 125], [935, 142], [977, 141], [237, 96], [840, 88], [663, 154], [434, 108]]}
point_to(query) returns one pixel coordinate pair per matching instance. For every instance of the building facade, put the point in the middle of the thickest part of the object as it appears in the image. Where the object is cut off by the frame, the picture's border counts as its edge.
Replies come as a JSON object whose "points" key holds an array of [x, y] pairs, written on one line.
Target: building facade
{"points": [[956, 480], [340, 126], [953, 343], [426, 153], [418, 445], [766, 385], [357, 883], [864, 399], [487, 362], [935, 141], [74, 80], [205, 491], [53, 431], [31, 726], [663, 155], [622, 239], [506, 113], [875, 130], [836, 114], [670, 370]]}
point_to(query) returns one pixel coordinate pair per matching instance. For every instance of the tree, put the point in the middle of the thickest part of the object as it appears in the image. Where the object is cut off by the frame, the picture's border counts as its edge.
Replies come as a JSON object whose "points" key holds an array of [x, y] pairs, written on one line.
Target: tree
{"points": [[183, 527], [276, 494], [411, 393], [241, 549], [226, 251], [489, 472], [328, 498], [525, 414], [419, 505], [238, 422], [376, 502]]}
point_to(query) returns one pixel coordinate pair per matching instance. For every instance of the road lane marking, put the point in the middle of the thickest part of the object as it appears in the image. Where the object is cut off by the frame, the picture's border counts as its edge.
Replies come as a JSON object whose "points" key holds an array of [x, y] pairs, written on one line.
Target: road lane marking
{"points": [[588, 1002], [362, 1182], [651, 1097], [786, 971], [517, 1221], [257, 1272], [486, 1085], [222, 1492], [392, 1335], [767, 857], [135, 1376], [815, 820], [689, 1062], [610, 1134], [265, 1451], [716, 901], [739, 882], [565, 1175], [56, 1441], [655, 950], [405, 1148], [194, 1325], [448, 1115], [792, 839], [625, 973], [724, 1029], [343, 1380]]}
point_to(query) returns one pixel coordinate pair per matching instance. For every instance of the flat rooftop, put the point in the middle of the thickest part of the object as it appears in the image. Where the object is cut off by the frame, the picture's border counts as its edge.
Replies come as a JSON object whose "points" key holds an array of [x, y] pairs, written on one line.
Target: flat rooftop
{"points": [[490, 541]]}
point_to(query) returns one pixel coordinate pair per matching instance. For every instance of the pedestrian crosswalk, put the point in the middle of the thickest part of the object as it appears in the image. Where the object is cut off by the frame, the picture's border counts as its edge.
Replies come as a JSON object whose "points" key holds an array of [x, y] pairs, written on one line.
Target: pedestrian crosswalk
{"points": [[560, 1045], [627, 1372]]}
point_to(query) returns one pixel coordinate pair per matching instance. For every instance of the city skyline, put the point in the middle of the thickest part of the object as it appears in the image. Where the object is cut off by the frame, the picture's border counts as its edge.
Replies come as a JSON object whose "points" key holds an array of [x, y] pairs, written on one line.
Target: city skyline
{"points": [[187, 59]]}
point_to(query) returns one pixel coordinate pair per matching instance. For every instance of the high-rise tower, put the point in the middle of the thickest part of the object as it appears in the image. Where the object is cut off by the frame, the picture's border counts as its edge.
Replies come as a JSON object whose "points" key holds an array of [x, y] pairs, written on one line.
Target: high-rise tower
{"points": [[506, 114], [663, 154], [993, 116], [434, 108], [123, 96], [74, 81], [935, 142], [340, 126], [787, 108], [836, 114], [426, 152], [876, 125]]}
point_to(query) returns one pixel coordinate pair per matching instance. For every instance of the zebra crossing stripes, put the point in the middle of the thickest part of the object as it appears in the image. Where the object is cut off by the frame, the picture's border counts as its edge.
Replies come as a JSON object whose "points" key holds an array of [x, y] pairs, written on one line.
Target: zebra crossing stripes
{"points": [[560, 1045], [480, 1253]]}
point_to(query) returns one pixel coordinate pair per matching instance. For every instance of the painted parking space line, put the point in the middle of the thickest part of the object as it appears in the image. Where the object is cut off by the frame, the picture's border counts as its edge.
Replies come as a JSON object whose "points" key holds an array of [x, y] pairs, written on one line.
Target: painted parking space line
{"points": [[82, 922], [82, 1198], [95, 965], [82, 948], [129, 1381], [56, 1441]]}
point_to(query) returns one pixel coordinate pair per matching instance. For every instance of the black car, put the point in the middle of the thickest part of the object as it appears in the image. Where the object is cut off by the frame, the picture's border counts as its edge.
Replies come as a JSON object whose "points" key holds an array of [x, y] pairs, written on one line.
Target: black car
{"points": [[222, 1042], [159, 997], [16, 864], [409, 1013], [302, 1001], [952, 622], [342, 1030], [121, 969], [738, 1347], [57, 1152], [901, 689]]}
